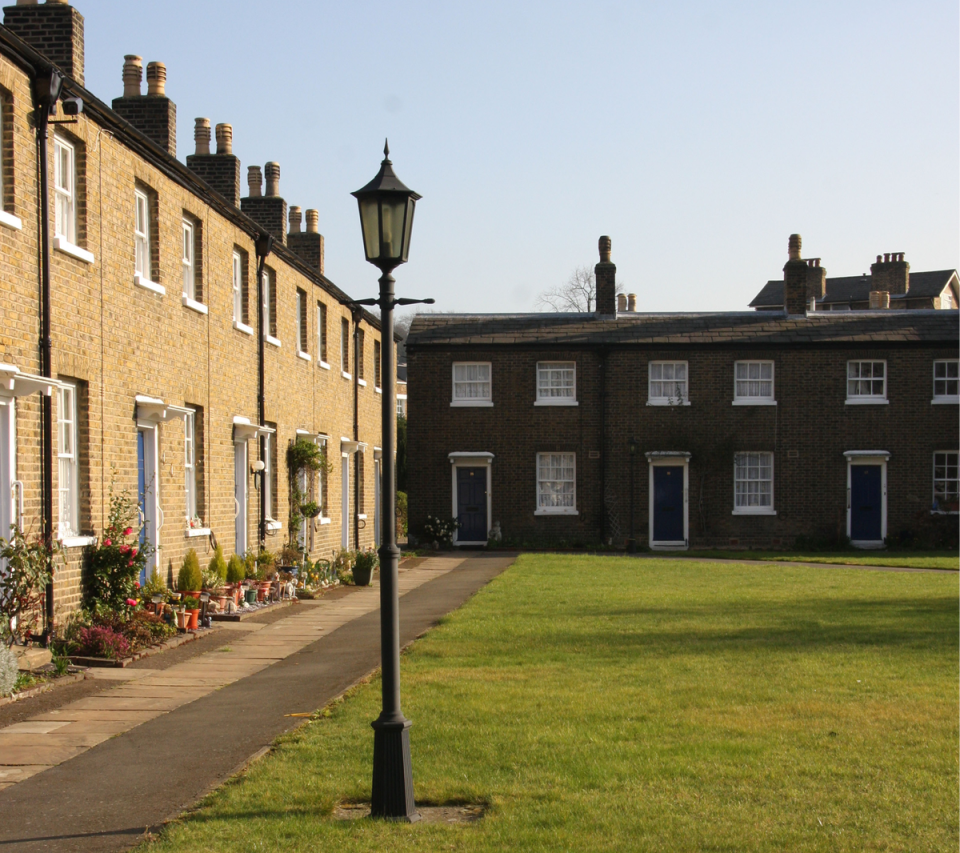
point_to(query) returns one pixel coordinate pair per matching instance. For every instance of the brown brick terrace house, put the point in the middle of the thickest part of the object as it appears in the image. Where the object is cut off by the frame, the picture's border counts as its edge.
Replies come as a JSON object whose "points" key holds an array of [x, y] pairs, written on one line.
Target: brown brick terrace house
{"points": [[750, 428], [156, 329]]}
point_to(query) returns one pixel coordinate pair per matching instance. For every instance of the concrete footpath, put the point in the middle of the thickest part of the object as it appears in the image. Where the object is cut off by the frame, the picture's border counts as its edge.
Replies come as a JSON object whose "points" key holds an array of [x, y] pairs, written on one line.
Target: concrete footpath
{"points": [[93, 775]]}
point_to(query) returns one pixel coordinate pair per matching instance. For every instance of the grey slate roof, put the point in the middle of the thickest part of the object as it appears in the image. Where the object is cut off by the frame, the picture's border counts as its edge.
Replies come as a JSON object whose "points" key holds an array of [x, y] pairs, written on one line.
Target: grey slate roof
{"points": [[856, 288], [746, 328]]}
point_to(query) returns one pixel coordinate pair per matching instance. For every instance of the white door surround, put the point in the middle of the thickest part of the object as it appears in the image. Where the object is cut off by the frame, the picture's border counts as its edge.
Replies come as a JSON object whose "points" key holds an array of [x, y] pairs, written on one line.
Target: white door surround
{"points": [[240, 466], [471, 459], [868, 457], [670, 458]]}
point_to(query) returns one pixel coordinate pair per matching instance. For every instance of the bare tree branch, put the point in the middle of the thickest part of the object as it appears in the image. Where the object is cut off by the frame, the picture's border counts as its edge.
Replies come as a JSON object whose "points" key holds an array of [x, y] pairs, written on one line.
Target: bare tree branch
{"points": [[578, 295]]}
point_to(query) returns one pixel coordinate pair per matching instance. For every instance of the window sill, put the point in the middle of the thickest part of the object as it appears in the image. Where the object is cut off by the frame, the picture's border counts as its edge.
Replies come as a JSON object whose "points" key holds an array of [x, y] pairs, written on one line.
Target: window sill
{"points": [[867, 401], [193, 305], [470, 404], [270, 339], [362, 516], [556, 512], [10, 221], [362, 382], [324, 519], [242, 327], [62, 245], [754, 402], [146, 284], [346, 375], [377, 390], [323, 364], [197, 531], [754, 512], [558, 403], [273, 525], [77, 541], [662, 402], [305, 356], [945, 401]]}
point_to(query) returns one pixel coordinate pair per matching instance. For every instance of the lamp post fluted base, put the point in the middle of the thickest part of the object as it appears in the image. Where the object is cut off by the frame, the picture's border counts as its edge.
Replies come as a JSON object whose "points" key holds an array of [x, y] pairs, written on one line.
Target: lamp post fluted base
{"points": [[392, 772]]}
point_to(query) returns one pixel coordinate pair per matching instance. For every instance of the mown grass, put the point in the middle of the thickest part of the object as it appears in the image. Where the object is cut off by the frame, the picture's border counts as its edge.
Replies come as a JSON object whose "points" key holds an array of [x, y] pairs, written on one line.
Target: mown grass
{"points": [[603, 704], [895, 559]]}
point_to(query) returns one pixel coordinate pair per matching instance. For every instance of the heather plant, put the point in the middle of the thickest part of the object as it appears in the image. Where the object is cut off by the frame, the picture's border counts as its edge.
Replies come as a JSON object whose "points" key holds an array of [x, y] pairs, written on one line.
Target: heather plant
{"points": [[101, 642], [114, 564]]}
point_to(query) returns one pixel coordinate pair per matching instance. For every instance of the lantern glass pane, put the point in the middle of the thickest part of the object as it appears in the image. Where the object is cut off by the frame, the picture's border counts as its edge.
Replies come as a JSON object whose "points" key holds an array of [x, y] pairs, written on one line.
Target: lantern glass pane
{"points": [[408, 227], [393, 210], [369, 221]]}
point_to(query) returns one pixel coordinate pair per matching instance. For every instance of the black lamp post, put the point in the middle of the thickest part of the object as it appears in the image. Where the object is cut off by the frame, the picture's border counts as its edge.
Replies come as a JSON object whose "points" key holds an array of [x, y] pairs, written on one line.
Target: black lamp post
{"points": [[386, 217], [634, 446]]}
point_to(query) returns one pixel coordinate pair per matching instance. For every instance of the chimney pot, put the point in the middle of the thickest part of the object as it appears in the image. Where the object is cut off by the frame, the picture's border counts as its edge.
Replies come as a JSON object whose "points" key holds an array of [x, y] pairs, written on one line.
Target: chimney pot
{"points": [[621, 302], [793, 247], [879, 299], [156, 79], [55, 2], [26, 2], [224, 139], [605, 246], [272, 170], [631, 302], [132, 75], [254, 181], [201, 135], [294, 219], [313, 221]]}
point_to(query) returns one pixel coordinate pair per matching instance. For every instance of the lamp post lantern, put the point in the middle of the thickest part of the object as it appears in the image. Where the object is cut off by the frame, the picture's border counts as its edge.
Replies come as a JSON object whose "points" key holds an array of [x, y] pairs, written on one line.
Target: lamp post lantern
{"points": [[386, 218]]}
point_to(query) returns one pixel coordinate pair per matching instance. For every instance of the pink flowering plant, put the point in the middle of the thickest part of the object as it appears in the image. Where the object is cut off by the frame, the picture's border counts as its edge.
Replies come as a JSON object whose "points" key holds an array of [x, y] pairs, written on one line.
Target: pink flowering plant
{"points": [[114, 564]]}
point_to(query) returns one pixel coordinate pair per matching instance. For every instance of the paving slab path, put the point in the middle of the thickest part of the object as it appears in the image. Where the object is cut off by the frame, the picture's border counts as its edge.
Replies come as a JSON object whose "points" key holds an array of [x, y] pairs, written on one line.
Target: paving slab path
{"points": [[95, 774]]}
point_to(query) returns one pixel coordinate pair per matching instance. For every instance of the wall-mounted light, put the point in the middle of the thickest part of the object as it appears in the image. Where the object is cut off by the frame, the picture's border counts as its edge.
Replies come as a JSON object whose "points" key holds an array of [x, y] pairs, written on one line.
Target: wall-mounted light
{"points": [[257, 469]]}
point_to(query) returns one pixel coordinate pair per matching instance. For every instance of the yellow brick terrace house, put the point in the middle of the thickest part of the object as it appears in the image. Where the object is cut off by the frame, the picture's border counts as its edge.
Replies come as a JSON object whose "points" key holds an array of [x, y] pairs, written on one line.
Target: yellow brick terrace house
{"points": [[187, 335]]}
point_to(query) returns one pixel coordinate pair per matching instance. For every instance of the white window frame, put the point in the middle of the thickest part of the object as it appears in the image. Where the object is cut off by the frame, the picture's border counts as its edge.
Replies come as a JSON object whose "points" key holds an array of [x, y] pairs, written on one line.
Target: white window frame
{"points": [[759, 399], [302, 333], [65, 189], [345, 349], [944, 396], [142, 264], [544, 496], [322, 335], [943, 468], [741, 500], [682, 399], [237, 289], [482, 400], [190, 463], [269, 283], [322, 478], [267, 476], [860, 399], [545, 372], [188, 259], [68, 467]]}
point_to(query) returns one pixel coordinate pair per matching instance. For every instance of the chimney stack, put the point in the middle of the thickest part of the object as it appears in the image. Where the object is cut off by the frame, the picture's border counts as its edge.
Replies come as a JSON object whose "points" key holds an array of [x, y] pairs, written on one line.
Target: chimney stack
{"points": [[307, 245], [54, 29], [221, 170], [891, 273], [269, 210], [816, 281], [154, 114], [795, 279], [606, 278]]}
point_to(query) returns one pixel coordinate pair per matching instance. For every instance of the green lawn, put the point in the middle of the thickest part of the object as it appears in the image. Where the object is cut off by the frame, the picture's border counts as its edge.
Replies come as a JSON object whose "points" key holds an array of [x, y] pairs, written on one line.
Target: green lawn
{"points": [[611, 704], [897, 559]]}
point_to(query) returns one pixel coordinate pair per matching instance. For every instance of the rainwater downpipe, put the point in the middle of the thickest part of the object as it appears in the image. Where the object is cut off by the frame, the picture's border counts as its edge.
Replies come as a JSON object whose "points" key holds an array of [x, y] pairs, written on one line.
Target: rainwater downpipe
{"points": [[46, 93], [263, 245], [357, 316]]}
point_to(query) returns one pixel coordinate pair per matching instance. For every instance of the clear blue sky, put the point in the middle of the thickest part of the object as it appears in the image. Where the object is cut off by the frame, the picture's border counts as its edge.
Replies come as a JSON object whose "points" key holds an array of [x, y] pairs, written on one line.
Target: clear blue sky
{"points": [[697, 135]]}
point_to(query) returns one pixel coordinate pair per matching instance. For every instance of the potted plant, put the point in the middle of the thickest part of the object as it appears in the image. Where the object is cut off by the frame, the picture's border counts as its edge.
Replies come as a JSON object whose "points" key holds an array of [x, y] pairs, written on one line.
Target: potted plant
{"points": [[363, 567], [236, 572], [310, 510], [190, 580]]}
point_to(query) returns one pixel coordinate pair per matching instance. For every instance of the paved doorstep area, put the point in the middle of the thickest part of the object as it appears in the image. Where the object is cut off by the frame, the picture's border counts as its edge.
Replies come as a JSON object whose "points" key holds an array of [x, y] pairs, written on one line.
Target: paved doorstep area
{"points": [[226, 704]]}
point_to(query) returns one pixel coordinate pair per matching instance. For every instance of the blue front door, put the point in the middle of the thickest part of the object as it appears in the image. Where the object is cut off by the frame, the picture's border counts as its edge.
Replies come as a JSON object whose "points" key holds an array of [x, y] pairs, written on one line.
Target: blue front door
{"points": [[668, 503], [866, 503], [472, 504], [142, 495]]}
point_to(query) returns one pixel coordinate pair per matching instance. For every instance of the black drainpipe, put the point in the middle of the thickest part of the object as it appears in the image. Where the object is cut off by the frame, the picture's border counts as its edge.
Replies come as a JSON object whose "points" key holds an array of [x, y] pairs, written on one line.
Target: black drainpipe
{"points": [[357, 316], [263, 246], [46, 93]]}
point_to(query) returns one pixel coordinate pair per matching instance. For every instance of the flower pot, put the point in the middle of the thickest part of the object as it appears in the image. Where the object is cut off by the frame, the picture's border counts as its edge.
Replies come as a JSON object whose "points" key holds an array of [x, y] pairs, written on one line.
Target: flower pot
{"points": [[362, 575], [251, 595], [194, 620], [222, 601], [183, 619]]}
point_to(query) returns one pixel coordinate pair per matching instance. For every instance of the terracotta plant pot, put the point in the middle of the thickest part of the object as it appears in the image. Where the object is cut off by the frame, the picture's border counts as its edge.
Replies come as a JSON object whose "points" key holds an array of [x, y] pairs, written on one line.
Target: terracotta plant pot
{"points": [[183, 619], [194, 620]]}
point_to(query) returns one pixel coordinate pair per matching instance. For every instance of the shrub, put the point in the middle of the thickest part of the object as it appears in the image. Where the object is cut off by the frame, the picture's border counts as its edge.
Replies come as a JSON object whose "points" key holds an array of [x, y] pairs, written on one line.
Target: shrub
{"points": [[101, 642], [210, 580], [236, 570], [440, 531], [402, 513], [250, 564], [23, 581], [155, 585], [218, 564], [115, 562], [189, 578], [9, 670], [265, 562]]}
